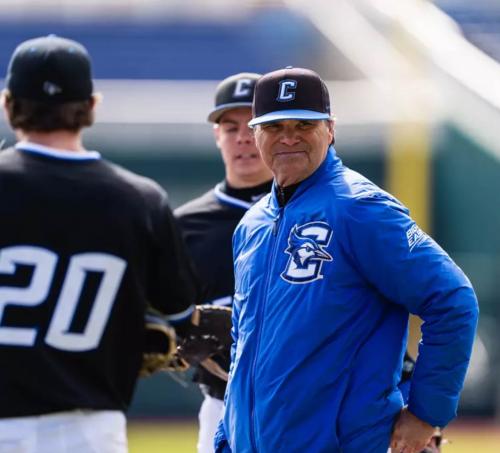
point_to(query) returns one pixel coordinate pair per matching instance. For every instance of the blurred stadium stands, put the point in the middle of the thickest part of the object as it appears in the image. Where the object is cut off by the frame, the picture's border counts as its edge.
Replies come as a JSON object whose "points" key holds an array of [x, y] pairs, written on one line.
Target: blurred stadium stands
{"points": [[167, 49], [479, 20], [404, 81]]}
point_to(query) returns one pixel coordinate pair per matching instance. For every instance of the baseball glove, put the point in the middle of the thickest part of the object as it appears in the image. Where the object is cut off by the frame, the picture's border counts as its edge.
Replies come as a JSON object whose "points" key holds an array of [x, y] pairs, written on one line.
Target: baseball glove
{"points": [[209, 337], [159, 352]]}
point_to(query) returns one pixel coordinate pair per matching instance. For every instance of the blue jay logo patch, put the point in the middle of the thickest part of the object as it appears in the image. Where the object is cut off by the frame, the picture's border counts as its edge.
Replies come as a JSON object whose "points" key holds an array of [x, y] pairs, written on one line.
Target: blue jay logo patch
{"points": [[306, 247]]}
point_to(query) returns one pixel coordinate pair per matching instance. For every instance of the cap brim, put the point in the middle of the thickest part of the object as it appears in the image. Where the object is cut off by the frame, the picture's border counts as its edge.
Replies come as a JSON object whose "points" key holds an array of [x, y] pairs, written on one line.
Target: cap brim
{"points": [[288, 115], [214, 115]]}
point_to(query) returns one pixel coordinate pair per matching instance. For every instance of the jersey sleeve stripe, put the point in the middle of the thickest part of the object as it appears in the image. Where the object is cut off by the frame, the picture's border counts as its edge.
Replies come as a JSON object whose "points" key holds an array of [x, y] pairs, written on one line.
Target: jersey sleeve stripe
{"points": [[179, 317], [227, 300]]}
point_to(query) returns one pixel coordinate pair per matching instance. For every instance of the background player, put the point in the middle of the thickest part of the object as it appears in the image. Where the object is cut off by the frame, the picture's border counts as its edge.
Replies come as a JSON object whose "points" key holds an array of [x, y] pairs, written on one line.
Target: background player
{"points": [[85, 247], [208, 222]]}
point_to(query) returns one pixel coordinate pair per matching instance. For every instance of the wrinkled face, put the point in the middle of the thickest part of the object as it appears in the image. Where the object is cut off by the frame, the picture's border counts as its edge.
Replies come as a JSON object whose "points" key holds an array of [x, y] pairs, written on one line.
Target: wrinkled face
{"points": [[294, 149], [244, 166]]}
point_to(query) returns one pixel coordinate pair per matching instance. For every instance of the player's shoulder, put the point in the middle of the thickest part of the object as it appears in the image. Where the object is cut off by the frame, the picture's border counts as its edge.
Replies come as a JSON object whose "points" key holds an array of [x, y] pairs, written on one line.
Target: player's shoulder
{"points": [[132, 182], [357, 195], [203, 204], [212, 206]]}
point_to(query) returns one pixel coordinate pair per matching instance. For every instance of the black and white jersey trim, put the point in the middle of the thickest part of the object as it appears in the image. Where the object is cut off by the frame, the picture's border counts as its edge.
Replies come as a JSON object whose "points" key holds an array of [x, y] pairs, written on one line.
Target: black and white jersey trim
{"points": [[35, 148], [225, 198], [183, 315], [227, 300]]}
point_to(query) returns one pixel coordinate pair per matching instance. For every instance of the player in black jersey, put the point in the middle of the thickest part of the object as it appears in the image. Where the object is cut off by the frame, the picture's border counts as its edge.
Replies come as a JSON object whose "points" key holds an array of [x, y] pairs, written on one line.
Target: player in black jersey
{"points": [[85, 247], [208, 222]]}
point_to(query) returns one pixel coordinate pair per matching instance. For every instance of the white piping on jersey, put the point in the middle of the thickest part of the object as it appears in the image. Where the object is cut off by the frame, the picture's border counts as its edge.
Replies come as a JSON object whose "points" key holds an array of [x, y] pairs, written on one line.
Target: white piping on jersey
{"points": [[56, 153], [225, 198], [182, 315], [227, 300]]}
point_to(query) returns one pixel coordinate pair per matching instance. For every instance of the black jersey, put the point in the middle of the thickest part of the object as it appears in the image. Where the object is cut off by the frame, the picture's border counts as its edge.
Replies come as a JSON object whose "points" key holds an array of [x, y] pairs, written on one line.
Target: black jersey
{"points": [[85, 245], [207, 224]]}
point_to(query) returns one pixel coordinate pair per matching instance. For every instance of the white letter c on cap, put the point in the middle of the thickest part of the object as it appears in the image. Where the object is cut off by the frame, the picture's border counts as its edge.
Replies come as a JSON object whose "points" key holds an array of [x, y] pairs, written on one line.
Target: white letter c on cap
{"points": [[285, 94], [242, 88]]}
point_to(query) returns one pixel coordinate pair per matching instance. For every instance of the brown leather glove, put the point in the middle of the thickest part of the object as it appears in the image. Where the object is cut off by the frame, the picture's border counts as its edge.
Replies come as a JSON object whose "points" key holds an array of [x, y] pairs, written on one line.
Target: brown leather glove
{"points": [[159, 345], [210, 335]]}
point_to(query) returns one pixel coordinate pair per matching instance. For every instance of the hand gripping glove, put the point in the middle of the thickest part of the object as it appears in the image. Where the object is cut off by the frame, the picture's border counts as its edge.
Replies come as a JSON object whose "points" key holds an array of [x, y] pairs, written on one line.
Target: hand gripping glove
{"points": [[159, 348], [210, 335]]}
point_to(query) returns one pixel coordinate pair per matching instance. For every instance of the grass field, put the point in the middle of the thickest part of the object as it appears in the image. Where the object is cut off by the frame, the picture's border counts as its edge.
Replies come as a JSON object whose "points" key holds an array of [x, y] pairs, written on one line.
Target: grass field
{"points": [[180, 437], [162, 437]]}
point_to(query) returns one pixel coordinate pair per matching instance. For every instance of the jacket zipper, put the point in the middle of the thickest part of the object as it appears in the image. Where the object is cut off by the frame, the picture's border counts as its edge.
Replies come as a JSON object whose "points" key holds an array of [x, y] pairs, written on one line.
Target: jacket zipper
{"points": [[275, 229]]}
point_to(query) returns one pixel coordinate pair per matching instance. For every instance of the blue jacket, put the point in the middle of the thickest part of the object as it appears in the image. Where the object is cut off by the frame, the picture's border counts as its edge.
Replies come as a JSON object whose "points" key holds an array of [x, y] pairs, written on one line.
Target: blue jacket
{"points": [[323, 290]]}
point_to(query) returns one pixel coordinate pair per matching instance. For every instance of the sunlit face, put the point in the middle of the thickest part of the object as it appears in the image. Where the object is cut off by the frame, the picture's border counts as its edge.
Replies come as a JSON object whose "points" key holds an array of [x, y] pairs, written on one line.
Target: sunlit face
{"points": [[244, 166], [294, 149]]}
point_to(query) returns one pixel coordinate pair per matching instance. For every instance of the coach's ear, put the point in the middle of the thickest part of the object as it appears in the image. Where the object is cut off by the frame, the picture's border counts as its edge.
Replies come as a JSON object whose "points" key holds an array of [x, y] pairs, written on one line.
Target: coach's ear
{"points": [[331, 128], [216, 130]]}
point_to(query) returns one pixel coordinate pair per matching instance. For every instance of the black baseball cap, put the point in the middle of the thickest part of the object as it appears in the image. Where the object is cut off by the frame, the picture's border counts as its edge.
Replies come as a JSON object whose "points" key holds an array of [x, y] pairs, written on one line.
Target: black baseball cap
{"points": [[290, 94], [50, 69], [233, 92]]}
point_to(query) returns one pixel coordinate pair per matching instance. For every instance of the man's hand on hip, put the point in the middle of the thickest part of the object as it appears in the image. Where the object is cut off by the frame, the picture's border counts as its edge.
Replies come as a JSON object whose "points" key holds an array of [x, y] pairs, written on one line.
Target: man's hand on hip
{"points": [[410, 435]]}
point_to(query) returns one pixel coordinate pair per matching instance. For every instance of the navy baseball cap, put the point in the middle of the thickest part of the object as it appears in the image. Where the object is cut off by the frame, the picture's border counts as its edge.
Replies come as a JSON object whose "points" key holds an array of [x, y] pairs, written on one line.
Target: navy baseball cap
{"points": [[290, 94], [50, 69], [233, 92]]}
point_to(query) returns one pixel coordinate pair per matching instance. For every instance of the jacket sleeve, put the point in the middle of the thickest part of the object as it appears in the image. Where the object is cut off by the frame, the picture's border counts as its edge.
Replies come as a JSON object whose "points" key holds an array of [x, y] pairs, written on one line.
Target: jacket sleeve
{"points": [[238, 239], [408, 268]]}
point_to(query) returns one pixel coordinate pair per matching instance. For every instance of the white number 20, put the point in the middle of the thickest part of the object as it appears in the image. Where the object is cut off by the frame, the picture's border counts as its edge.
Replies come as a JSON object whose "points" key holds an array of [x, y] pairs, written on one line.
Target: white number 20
{"points": [[44, 264]]}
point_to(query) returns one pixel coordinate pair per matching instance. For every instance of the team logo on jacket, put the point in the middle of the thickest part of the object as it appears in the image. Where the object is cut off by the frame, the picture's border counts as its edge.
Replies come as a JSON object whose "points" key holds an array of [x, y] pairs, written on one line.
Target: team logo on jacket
{"points": [[307, 249]]}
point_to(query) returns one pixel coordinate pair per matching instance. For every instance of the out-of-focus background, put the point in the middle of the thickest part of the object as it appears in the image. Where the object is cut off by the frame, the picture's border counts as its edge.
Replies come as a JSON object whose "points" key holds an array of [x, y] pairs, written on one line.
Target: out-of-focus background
{"points": [[415, 87]]}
